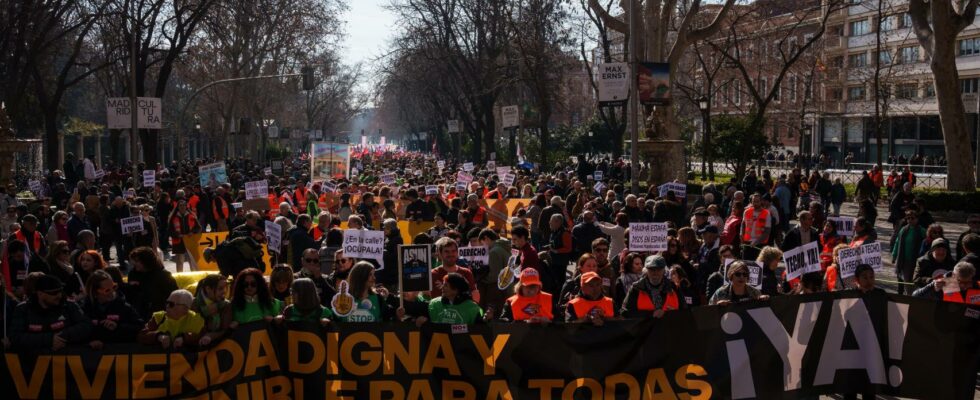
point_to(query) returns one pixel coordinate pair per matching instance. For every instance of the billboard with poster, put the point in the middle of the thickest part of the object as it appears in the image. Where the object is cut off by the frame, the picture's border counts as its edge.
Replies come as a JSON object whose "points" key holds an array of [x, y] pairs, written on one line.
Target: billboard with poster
{"points": [[653, 83], [329, 161]]}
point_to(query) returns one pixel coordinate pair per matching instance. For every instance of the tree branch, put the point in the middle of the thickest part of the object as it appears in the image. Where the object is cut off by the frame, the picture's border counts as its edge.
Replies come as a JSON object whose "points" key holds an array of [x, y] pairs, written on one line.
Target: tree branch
{"points": [[610, 21]]}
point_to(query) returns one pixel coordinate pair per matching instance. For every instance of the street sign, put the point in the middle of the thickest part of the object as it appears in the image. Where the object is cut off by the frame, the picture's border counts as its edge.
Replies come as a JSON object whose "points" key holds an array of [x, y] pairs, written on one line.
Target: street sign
{"points": [[614, 82], [510, 116], [454, 126], [149, 113]]}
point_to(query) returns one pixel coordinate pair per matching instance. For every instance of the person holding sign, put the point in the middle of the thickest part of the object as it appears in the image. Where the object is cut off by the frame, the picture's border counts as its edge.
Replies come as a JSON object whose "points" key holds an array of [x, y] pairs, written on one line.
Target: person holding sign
{"points": [[965, 288], [306, 304], [829, 239], [590, 305], [653, 295], [370, 302], [455, 306], [737, 289], [530, 304]]}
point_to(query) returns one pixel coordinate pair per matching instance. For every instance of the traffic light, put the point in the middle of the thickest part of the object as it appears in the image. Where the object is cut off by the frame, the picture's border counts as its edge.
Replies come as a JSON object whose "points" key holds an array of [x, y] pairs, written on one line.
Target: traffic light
{"points": [[307, 78]]}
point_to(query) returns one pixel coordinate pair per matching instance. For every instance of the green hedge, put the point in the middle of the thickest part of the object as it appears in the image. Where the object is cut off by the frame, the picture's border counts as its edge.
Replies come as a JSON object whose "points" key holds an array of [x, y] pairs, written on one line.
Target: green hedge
{"points": [[950, 201]]}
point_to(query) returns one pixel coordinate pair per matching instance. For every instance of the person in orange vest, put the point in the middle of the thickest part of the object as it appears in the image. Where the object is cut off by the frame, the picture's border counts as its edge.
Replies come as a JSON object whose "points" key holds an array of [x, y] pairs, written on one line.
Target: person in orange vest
{"points": [[478, 214], [28, 234], [300, 193], [222, 209], [878, 178], [958, 286], [530, 304], [653, 295], [183, 222], [756, 224], [590, 305]]}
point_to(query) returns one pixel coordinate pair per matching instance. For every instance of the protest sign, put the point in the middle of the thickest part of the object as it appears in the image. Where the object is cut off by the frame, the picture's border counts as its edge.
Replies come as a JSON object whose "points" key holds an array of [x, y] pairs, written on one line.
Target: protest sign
{"points": [[129, 194], [415, 268], [460, 187], [502, 170], [329, 160], [598, 175], [388, 179], [803, 259], [441, 164], [847, 261], [648, 236], [491, 165], [212, 175], [359, 243], [273, 234], [431, 190], [267, 171], [845, 225], [131, 225], [149, 178], [468, 167], [755, 271], [871, 255], [679, 189], [475, 257], [99, 173], [256, 189], [329, 187], [599, 187], [36, 187], [508, 179], [464, 177], [236, 205]]}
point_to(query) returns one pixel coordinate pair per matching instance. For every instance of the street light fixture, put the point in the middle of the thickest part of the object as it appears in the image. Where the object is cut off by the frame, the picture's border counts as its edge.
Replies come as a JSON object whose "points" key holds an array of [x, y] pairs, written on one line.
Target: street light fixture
{"points": [[705, 106]]}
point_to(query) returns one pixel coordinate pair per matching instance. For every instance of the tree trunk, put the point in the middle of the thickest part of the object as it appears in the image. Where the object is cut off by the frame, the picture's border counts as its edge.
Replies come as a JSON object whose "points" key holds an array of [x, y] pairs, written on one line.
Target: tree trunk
{"points": [[959, 155], [51, 135], [114, 154], [151, 152]]}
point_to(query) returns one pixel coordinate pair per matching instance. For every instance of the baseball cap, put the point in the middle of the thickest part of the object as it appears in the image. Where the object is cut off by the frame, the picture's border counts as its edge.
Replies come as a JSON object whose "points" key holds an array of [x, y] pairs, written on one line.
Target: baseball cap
{"points": [[589, 277], [708, 229], [530, 277], [48, 283], [939, 242], [655, 261]]}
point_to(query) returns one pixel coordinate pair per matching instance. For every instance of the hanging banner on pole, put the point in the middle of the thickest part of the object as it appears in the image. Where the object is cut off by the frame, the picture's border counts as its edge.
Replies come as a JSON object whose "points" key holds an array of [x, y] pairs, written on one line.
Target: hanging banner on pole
{"points": [[653, 83], [149, 113], [510, 117], [329, 161], [454, 126], [613, 83]]}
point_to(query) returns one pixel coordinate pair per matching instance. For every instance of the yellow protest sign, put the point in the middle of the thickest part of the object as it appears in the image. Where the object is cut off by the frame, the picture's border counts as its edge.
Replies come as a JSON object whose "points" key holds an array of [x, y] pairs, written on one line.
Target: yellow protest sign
{"points": [[196, 244]]}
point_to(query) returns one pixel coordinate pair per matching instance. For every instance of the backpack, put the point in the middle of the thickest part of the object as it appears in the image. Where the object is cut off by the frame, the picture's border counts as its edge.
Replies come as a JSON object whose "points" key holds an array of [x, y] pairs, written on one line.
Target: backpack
{"points": [[230, 259]]}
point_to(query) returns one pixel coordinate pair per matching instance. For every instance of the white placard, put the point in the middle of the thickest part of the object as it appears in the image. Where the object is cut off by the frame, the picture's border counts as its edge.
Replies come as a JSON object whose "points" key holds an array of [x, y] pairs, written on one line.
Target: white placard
{"points": [[493, 155], [468, 167], [99, 173], [847, 261], [236, 206], [502, 170], [648, 236], [597, 175], [474, 255], [599, 188], [755, 273], [508, 179], [454, 126], [801, 260], [149, 178], [845, 225], [679, 189], [149, 113], [871, 255], [460, 187], [354, 171], [431, 190], [36, 187], [131, 225], [441, 164], [463, 177], [510, 116], [256, 189], [267, 171], [329, 187], [491, 165], [388, 179], [613, 82], [359, 243], [273, 233]]}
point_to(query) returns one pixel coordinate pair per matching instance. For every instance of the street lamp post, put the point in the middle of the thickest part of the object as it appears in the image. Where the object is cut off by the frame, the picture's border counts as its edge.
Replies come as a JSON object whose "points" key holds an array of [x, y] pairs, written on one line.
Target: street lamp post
{"points": [[805, 141], [705, 106]]}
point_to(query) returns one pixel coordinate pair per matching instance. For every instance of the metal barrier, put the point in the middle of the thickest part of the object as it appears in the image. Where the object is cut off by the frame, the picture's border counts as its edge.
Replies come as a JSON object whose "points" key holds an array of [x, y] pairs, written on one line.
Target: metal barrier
{"points": [[847, 176]]}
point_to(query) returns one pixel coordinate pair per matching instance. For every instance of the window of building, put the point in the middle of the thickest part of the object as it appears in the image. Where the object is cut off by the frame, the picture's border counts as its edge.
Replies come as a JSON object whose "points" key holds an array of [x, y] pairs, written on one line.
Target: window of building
{"points": [[905, 127], [777, 91], [885, 57], [762, 87], [887, 23], [856, 93], [836, 94], [808, 90], [837, 62], [907, 91], [738, 92], [969, 47], [857, 60], [968, 85], [930, 90], [906, 21], [860, 27], [930, 128], [909, 55], [792, 88]]}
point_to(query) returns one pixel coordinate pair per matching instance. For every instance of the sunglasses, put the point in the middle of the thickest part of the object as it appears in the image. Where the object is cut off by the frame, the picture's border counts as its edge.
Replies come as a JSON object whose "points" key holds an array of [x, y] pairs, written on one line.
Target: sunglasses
{"points": [[53, 292], [741, 275], [311, 260], [172, 304]]}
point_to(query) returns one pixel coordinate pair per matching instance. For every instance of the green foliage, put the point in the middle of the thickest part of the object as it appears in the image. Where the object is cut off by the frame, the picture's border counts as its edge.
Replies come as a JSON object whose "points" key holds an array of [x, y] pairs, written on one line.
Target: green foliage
{"points": [[274, 151], [950, 201], [738, 141]]}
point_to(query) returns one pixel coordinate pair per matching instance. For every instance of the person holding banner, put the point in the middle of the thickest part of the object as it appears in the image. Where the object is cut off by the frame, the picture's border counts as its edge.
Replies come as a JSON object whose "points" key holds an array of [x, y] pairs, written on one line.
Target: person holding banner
{"points": [[178, 325], [251, 300], [211, 304], [590, 305], [306, 304], [456, 305], [653, 295], [370, 302], [46, 320], [113, 319], [965, 288], [737, 289], [938, 258], [149, 284], [530, 304], [311, 269]]}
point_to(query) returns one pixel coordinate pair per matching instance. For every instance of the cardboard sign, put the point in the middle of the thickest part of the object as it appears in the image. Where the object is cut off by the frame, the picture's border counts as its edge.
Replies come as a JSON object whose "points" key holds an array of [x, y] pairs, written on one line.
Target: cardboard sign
{"points": [[273, 234], [648, 236], [491, 165], [475, 257], [468, 167], [149, 178], [267, 171], [256, 189], [415, 268], [464, 177], [845, 225], [598, 175], [36, 187], [871, 255], [502, 170], [131, 225], [801, 260], [441, 164], [508, 179], [388, 179], [431, 190], [359, 243], [99, 173], [847, 261], [599, 188], [679, 189]]}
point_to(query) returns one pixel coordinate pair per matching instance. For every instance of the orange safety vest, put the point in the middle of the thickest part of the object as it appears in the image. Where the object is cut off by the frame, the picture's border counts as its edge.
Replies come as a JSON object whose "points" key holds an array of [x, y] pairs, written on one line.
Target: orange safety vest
{"points": [[524, 307], [300, 195], [751, 222], [192, 202], [583, 306], [645, 303], [181, 226], [221, 212], [831, 278], [479, 216], [972, 297], [35, 245]]}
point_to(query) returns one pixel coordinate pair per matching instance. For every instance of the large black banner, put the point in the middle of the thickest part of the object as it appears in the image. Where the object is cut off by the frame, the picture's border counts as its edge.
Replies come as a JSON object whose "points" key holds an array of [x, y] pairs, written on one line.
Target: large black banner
{"points": [[783, 348]]}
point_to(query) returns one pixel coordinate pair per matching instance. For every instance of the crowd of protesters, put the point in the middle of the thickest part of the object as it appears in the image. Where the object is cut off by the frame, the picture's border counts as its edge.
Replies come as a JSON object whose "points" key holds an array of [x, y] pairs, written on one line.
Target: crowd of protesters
{"points": [[70, 275]]}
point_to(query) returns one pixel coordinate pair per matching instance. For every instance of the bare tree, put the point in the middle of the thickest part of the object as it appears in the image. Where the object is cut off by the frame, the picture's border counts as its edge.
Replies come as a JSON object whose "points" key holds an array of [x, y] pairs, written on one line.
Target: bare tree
{"points": [[937, 24], [613, 116]]}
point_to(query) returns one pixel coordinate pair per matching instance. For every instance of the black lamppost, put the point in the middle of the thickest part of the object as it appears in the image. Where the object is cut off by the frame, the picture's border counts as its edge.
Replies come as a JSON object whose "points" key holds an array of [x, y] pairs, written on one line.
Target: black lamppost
{"points": [[705, 106], [805, 147]]}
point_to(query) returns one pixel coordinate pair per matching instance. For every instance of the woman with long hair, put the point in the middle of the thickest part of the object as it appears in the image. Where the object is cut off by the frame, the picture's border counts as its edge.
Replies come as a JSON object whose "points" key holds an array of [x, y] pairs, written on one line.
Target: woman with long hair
{"points": [[251, 300], [685, 289], [456, 305], [113, 319], [149, 284], [630, 272], [769, 257], [58, 264], [280, 280], [370, 302], [830, 239], [306, 304], [212, 305], [86, 263]]}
